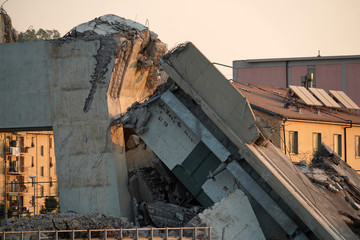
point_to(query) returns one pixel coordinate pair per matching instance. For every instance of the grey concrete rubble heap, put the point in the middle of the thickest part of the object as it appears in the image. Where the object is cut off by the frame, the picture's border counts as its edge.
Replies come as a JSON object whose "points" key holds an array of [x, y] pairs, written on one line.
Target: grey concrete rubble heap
{"points": [[338, 181], [66, 221]]}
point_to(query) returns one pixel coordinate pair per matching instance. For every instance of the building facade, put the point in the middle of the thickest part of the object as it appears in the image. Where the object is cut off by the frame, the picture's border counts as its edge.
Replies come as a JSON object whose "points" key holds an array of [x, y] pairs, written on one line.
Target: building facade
{"points": [[28, 173], [330, 73], [299, 129]]}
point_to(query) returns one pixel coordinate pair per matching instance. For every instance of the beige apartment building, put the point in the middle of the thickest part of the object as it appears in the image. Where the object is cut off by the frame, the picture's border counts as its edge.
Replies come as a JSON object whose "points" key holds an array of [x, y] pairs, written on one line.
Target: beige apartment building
{"points": [[299, 129], [28, 172]]}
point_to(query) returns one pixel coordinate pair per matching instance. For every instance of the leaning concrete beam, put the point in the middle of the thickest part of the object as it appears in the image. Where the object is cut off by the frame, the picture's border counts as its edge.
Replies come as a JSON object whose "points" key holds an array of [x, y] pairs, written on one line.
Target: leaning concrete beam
{"points": [[212, 91], [267, 203]]}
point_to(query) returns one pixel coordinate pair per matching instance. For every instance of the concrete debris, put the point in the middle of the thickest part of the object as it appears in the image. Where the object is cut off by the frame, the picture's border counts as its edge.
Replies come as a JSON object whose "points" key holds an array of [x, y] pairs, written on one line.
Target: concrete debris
{"points": [[232, 218], [160, 200], [337, 180], [162, 214], [66, 221], [7, 32], [136, 118]]}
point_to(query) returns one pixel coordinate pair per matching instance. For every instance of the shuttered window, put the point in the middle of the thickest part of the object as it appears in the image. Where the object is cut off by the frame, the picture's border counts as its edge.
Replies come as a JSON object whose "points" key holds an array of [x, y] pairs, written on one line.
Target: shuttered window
{"points": [[316, 142], [293, 142], [357, 146], [337, 144]]}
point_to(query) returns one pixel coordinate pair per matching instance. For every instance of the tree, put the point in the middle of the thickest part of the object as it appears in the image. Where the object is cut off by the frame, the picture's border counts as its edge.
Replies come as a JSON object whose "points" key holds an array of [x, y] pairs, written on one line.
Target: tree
{"points": [[41, 34], [2, 211], [51, 203]]}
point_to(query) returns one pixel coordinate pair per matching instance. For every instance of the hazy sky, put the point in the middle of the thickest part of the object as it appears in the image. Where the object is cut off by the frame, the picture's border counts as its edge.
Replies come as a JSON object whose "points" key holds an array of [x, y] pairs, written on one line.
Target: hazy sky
{"points": [[223, 30]]}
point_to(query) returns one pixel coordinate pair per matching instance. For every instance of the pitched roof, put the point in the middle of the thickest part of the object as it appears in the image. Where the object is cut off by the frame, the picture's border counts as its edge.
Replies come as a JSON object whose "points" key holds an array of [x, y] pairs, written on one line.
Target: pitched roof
{"points": [[272, 100]]}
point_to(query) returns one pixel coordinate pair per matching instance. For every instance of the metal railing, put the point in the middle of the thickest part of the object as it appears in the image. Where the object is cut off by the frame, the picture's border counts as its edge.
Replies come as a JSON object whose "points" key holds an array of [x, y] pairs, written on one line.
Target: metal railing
{"points": [[183, 233]]}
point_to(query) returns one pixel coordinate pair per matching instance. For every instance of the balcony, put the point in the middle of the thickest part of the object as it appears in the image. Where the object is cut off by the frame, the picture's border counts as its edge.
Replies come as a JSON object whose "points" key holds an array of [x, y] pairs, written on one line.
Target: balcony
{"points": [[23, 150], [16, 189], [16, 170]]}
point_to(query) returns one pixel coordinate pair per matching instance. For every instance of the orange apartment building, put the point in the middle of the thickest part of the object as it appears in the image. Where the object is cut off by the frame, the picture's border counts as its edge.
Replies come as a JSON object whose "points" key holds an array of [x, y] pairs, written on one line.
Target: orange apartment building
{"points": [[28, 173]]}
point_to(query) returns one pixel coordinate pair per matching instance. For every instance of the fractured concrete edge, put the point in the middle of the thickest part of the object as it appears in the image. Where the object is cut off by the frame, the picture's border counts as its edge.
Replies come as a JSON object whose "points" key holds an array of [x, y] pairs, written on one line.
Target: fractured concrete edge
{"points": [[308, 213], [232, 218]]}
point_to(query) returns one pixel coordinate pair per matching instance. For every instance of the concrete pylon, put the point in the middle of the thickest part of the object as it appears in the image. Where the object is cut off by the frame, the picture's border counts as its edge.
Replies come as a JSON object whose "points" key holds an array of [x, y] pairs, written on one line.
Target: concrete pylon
{"points": [[76, 85]]}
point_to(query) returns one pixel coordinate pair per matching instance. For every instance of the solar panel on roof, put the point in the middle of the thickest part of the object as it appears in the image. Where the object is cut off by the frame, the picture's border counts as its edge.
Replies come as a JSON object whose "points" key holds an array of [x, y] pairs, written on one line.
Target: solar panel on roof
{"points": [[344, 99], [305, 95], [324, 97]]}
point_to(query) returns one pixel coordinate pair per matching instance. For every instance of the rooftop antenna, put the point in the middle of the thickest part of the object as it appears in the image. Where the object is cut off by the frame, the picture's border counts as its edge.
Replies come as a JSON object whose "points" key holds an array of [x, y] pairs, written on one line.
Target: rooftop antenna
{"points": [[318, 54]]}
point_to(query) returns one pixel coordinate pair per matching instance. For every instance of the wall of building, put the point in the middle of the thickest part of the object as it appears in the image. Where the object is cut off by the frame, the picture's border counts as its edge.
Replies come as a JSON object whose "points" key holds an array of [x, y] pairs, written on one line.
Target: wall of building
{"points": [[331, 73], [352, 81], [36, 158], [305, 139], [273, 76]]}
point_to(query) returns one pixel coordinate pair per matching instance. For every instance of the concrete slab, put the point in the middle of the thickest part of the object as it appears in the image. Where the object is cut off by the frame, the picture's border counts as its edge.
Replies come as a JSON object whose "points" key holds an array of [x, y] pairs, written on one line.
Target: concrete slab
{"points": [[209, 88], [232, 218]]}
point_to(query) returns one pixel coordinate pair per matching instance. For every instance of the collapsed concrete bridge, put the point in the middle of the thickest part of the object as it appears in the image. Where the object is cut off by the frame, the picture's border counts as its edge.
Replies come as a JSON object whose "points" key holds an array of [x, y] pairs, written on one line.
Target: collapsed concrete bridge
{"points": [[77, 85], [213, 143]]}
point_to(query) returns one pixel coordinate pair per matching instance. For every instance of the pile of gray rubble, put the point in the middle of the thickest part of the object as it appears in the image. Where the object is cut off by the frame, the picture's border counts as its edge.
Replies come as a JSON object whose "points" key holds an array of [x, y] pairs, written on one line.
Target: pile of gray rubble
{"points": [[66, 221], [336, 180]]}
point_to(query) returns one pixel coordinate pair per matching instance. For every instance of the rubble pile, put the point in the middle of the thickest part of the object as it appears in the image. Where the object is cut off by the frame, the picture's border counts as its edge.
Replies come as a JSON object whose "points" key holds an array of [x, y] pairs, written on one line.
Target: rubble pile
{"points": [[338, 181], [66, 221], [160, 199]]}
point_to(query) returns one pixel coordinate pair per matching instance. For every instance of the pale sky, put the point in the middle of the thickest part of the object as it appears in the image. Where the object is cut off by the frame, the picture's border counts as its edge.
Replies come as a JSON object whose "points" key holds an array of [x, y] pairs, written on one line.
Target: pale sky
{"points": [[223, 30]]}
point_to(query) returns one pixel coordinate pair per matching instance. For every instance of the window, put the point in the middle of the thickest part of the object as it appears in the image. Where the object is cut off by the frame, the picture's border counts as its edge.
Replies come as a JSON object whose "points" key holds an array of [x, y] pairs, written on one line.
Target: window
{"points": [[42, 150], [32, 161], [293, 142], [337, 144], [357, 146], [41, 190], [42, 171], [51, 162], [50, 142], [21, 142], [316, 142], [32, 142]]}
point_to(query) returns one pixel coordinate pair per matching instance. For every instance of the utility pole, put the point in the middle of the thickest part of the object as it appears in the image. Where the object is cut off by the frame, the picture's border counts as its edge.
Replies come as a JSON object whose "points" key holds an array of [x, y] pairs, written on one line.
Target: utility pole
{"points": [[33, 181], [5, 194]]}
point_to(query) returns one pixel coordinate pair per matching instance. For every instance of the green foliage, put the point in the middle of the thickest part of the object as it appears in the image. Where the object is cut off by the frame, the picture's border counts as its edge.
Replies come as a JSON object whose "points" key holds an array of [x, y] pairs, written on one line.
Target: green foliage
{"points": [[2, 211], [51, 203], [41, 34]]}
